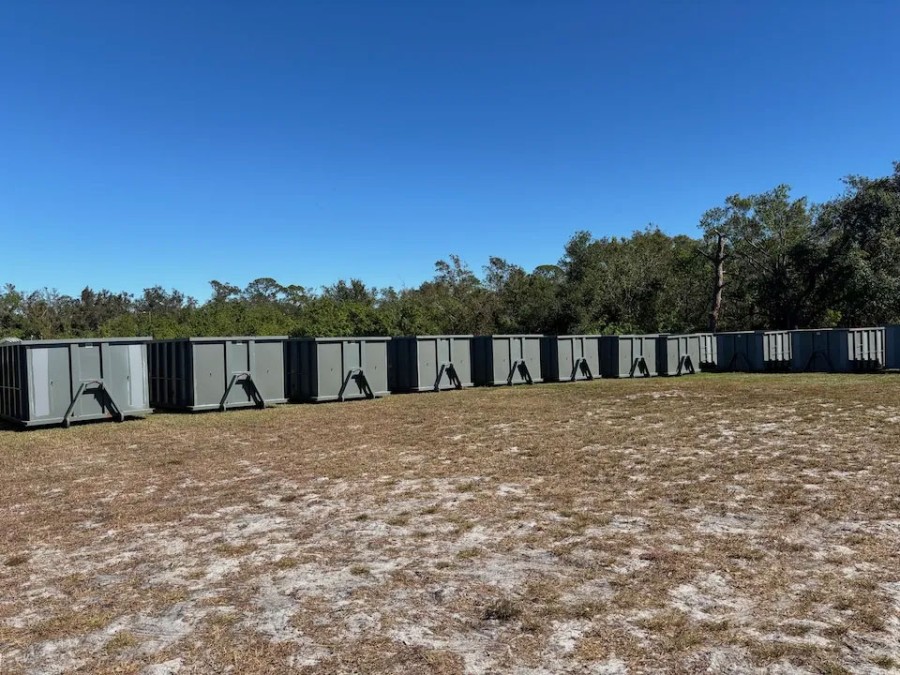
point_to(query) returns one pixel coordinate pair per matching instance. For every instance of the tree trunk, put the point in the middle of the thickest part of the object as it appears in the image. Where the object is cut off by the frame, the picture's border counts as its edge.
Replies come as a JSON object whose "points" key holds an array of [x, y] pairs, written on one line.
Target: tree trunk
{"points": [[718, 261]]}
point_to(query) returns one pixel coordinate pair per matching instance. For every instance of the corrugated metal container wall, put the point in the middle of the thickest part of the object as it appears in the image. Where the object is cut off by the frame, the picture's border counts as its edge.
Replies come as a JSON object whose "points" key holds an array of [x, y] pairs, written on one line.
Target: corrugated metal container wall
{"points": [[679, 354], [507, 359], [866, 347], [820, 350], [337, 369], [776, 349], [218, 373], [709, 352], [429, 362], [568, 358], [892, 346], [754, 351], [628, 355], [62, 381]]}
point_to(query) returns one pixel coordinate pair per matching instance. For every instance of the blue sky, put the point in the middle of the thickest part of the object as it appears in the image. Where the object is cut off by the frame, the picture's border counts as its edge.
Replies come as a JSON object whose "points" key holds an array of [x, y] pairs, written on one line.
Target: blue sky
{"points": [[172, 143]]}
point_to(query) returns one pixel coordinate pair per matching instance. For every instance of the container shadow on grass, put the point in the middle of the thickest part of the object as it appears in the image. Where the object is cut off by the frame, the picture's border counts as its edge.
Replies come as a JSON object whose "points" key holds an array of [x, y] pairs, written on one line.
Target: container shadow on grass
{"points": [[6, 425]]}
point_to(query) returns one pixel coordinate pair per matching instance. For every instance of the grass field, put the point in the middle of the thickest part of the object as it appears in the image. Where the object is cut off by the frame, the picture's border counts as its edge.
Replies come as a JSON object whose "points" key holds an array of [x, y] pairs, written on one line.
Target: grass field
{"points": [[709, 523]]}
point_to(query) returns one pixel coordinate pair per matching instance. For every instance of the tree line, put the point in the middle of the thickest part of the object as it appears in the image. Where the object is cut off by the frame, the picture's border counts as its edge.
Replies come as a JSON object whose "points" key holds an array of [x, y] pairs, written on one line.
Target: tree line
{"points": [[764, 261]]}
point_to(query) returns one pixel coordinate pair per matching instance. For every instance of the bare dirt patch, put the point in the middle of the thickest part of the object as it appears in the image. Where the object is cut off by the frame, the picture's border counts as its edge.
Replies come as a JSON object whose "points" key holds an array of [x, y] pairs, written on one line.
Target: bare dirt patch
{"points": [[720, 524]]}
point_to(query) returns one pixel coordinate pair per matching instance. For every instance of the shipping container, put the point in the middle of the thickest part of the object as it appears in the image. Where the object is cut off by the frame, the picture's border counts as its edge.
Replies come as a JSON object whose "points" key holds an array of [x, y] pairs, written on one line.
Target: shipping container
{"points": [[568, 358], [628, 355], [755, 351], [429, 362], [506, 359], [217, 373], [337, 368], [63, 381]]}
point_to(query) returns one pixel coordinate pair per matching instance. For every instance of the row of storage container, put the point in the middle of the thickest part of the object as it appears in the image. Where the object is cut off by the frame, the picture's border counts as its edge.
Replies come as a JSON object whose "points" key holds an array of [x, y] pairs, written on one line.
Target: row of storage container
{"points": [[60, 381]]}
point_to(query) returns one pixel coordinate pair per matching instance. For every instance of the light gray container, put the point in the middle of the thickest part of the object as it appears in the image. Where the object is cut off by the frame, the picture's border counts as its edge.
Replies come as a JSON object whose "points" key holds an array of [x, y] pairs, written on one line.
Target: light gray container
{"points": [[337, 368], [755, 351], [217, 373], [628, 355], [506, 359], [684, 354], [867, 349], [568, 358], [63, 381], [892, 347], [429, 363]]}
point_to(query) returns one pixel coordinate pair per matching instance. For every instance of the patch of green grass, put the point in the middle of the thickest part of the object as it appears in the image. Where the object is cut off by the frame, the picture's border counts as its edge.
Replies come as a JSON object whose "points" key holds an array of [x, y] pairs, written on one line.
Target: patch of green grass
{"points": [[468, 553], [121, 640]]}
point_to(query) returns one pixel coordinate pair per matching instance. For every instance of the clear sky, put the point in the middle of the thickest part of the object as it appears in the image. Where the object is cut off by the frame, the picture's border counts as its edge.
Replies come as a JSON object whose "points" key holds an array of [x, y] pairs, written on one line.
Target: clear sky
{"points": [[172, 143]]}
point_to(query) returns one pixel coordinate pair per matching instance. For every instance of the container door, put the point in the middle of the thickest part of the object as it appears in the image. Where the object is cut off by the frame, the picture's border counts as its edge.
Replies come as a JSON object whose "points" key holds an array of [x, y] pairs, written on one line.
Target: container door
{"points": [[461, 356], [125, 376], [268, 370], [376, 365], [647, 348], [331, 366], [430, 356], [531, 354], [209, 373], [48, 382], [565, 357], [694, 349], [501, 348], [625, 350], [592, 354], [137, 377]]}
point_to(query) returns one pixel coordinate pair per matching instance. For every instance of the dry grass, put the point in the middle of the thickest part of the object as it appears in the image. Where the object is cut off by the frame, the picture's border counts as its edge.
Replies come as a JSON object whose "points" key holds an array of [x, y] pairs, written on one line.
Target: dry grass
{"points": [[714, 524]]}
